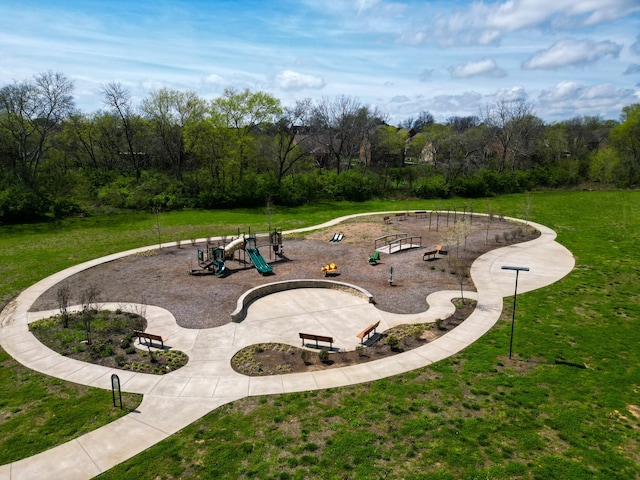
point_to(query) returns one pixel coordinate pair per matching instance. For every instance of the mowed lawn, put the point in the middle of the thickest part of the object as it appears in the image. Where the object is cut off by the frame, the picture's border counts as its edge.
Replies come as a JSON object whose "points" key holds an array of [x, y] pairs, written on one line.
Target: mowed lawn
{"points": [[566, 406]]}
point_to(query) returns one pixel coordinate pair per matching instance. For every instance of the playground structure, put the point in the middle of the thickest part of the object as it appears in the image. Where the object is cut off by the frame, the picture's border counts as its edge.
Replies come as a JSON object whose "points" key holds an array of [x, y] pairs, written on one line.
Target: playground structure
{"points": [[216, 256], [330, 269], [435, 217], [396, 242]]}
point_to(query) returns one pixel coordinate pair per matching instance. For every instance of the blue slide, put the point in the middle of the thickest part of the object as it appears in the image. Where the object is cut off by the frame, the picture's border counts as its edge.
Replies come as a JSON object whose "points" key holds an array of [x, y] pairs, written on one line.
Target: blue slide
{"points": [[261, 265]]}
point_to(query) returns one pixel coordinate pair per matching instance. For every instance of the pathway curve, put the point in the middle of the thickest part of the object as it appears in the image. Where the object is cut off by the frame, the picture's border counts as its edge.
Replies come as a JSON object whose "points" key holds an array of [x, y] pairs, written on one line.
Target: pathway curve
{"points": [[179, 398]]}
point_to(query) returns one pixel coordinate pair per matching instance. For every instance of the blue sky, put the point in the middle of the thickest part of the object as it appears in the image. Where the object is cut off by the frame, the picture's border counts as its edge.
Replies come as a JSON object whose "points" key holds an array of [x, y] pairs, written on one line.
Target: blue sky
{"points": [[566, 57]]}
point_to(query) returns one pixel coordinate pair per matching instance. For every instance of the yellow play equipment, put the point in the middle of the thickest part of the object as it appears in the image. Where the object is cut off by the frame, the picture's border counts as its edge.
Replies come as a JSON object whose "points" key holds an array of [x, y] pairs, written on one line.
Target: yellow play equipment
{"points": [[331, 268]]}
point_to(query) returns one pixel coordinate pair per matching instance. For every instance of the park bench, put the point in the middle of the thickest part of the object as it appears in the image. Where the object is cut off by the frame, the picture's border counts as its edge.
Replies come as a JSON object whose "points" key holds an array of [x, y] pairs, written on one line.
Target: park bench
{"points": [[316, 338], [367, 331], [401, 216], [387, 220], [431, 254], [151, 337], [375, 258], [421, 214]]}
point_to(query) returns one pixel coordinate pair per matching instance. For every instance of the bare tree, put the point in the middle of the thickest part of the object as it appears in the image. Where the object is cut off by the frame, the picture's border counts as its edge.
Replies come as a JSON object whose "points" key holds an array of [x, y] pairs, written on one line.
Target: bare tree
{"points": [[526, 207], [88, 299], [118, 100], [515, 127], [30, 111], [63, 296], [342, 125], [460, 266], [293, 142]]}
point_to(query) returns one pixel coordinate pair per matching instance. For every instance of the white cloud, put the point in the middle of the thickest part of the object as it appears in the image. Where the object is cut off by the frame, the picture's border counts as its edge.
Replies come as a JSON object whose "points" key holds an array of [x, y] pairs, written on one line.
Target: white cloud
{"points": [[461, 104], [485, 23], [290, 80], [215, 79], [482, 68], [511, 94], [571, 52], [400, 99], [569, 99]]}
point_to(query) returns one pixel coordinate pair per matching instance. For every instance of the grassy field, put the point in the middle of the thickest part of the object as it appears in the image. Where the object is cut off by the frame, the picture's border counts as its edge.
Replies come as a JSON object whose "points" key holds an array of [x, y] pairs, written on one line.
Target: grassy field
{"points": [[566, 406]]}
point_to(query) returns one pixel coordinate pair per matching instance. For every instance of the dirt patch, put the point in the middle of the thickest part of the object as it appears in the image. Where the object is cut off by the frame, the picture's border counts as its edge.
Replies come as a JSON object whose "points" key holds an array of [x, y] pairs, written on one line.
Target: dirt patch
{"points": [[635, 410], [161, 277]]}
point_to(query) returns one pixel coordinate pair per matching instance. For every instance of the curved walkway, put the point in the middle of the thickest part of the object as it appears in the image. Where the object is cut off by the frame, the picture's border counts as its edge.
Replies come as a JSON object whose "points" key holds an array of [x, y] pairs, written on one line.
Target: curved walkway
{"points": [[179, 398]]}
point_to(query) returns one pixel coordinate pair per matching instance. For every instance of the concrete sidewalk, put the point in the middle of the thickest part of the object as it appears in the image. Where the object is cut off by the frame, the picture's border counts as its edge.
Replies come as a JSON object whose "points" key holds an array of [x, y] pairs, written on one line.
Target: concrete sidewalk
{"points": [[179, 398]]}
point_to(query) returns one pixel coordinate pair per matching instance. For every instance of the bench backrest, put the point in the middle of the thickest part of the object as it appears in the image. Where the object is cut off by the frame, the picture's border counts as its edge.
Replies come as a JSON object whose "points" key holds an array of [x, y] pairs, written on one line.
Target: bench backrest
{"points": [[321, 338], [150, 336]]}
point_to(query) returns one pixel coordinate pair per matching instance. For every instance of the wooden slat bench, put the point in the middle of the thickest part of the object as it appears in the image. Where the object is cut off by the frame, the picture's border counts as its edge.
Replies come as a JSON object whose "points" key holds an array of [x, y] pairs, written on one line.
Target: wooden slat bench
{"points": [[421, 214], [401, 216], [367, 331], [387, 220], [316, 338], [151, 337], [431, 254]]}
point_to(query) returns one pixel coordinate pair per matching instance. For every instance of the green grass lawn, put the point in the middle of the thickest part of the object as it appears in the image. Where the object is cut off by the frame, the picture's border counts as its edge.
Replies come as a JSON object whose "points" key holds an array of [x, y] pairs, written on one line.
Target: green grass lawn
{"points": [[475, 415]]}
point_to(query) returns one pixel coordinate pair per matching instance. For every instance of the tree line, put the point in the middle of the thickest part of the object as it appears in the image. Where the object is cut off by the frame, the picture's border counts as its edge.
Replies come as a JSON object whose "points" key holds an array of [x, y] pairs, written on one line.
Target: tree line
{"points": [[176, 149]]}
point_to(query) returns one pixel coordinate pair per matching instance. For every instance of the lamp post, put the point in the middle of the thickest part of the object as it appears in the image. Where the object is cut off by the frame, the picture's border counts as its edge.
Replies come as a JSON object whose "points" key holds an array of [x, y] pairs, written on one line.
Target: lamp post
{"points": [[515, 293]]}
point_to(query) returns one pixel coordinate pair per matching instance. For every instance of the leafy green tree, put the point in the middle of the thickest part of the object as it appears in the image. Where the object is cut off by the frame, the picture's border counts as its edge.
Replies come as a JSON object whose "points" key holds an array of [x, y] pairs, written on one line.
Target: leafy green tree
{"points": [[439, 145], [625, 138], [603, 165], [388, 148], [209, 140], [553, 144], [242, 113], [169, 111]]}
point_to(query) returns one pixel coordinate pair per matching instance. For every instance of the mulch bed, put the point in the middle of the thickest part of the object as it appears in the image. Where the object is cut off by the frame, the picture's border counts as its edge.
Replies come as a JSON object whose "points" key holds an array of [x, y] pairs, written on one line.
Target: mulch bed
{"points": [[276, 358], [110, 342], [161, 277]]}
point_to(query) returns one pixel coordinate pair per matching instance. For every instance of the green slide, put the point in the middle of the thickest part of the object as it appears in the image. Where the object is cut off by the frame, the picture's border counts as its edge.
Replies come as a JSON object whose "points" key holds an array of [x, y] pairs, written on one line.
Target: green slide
{"points": [[261, 265]]}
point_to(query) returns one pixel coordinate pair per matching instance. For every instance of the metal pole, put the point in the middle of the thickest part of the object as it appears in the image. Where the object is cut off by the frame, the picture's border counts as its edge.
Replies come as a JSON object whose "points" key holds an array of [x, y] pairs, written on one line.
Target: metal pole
{"points": [[515, 296], [513, 314]]}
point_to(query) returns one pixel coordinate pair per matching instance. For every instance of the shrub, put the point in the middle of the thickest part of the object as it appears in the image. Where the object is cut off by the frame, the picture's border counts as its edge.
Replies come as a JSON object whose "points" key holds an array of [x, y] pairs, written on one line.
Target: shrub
{"points": [[126, 341], [19, 204], [432, 187], [323, 355], [393, 342], [304, 354], [65, 208]]}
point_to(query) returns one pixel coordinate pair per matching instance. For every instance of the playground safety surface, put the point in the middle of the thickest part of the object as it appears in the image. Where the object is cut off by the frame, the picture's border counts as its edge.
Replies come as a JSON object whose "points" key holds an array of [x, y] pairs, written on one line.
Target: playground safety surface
{"points": [[161, 278]]}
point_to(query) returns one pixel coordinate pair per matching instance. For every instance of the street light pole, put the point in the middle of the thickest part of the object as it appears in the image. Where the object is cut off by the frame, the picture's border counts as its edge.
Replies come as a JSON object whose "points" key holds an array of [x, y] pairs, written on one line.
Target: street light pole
{"points": [[515, 294]]}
